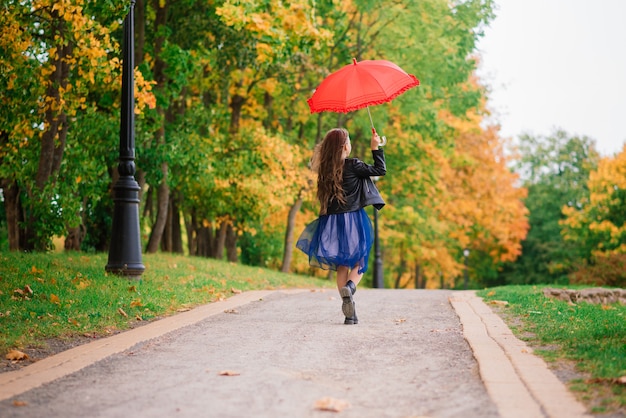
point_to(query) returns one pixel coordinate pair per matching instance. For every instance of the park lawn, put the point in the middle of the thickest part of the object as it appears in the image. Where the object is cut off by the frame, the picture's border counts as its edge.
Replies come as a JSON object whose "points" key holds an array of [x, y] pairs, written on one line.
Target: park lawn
{"points": [[47, 297], [591, 338]]}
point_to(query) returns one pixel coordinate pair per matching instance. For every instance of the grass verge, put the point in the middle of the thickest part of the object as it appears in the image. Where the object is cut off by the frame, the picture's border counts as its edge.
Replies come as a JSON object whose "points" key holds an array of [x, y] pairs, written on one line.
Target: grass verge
{"points": [[59, 300], [591, 337]]}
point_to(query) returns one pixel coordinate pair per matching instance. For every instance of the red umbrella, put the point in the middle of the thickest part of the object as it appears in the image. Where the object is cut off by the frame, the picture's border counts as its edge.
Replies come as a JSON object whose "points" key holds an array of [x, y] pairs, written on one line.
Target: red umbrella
{"points": [[360, 85]]}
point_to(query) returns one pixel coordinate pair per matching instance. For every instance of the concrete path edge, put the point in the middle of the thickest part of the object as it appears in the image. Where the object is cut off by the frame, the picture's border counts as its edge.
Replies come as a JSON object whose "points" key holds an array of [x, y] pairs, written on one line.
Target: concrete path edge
{"points": [[519, 382]]}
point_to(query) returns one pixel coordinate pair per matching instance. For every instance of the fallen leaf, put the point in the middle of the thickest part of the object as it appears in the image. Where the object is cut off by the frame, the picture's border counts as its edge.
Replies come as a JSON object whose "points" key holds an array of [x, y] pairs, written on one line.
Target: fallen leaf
{"points": [[16, 355], [35, 270], [28, 290], [235, 291], [132, 289], [72, 321], [331, 404], [121, 312], [19, 403], [233, 311], [499, 302], [136, 302], [400, 320], [55, 299], [229, 373], [493, 292], [138, 318], [82, 285], [621, 380]]}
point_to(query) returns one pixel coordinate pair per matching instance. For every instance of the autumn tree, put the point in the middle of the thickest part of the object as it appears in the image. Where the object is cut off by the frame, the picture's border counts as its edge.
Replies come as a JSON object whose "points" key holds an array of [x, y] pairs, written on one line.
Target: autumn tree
{"points": [[597, 222], [54, 50]]}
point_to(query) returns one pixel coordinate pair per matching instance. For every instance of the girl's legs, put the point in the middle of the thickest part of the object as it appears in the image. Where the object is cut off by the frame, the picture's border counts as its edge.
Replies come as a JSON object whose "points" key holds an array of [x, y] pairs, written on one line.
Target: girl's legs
{"points": [[347, 279], [342, 276], [344, 273], [355, 276]]}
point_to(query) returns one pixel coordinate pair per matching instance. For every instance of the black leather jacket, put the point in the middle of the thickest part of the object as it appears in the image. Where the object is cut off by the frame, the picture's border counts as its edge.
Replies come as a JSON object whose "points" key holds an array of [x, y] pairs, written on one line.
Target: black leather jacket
{"points": [[358, 188]]}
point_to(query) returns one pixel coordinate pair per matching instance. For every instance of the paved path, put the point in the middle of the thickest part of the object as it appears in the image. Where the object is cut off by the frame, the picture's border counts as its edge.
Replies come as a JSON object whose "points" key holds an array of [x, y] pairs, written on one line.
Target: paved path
{"points": [[414, 353]]}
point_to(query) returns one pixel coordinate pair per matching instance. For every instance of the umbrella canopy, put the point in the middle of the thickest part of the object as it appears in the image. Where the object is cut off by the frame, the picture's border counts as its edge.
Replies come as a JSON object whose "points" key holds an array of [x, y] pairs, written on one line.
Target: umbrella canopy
{"points": [[360, 85]]}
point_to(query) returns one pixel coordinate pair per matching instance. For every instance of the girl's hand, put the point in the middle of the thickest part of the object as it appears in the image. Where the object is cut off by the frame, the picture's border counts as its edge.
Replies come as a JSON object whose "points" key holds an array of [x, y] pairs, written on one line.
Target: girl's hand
{"points": [[376, 142]]}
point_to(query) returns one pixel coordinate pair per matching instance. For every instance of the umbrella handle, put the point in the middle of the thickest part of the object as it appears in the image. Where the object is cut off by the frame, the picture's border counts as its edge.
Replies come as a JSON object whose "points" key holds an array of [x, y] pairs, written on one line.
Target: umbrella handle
{"points": [[383, 139]]}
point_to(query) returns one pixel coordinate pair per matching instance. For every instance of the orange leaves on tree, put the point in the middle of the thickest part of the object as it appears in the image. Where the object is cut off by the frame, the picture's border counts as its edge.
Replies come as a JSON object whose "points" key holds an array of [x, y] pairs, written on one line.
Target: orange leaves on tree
{"points": [[483, 199]]}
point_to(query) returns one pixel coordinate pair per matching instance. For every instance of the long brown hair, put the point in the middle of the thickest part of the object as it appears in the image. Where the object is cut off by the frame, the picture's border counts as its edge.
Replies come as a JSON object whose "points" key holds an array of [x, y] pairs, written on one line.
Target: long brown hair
{"points": [[328, 162]]}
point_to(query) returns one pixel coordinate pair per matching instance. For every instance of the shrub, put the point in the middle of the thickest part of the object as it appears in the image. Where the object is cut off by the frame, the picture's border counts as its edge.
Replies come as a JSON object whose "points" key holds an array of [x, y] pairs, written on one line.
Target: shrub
{"points": [[607, 270]]}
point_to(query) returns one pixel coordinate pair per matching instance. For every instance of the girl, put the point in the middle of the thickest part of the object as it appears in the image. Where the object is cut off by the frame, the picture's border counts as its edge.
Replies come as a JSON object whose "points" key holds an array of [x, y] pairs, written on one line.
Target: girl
{"points": [[340, 238]]}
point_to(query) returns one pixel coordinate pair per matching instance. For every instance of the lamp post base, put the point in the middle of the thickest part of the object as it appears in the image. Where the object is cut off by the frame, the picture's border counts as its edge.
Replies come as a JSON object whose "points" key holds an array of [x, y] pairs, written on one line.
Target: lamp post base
{"points": [[125, 247]]}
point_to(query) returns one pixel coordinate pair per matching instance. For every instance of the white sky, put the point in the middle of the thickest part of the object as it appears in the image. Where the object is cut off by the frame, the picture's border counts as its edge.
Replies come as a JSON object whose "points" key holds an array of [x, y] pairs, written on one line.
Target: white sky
{"points": [[558, 64]]}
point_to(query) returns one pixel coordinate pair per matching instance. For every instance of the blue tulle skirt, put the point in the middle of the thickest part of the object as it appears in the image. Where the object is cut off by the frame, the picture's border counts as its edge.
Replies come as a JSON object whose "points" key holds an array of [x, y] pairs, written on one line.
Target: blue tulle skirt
{"points": [[344, 239]]}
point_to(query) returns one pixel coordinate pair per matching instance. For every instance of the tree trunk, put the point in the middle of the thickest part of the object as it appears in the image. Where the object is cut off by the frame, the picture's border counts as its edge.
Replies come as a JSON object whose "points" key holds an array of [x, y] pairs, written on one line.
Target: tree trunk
{"points": [[166, 238], [53, 138], [419, 282], [163, 192], [289, 240], [231, 243], [268, 101], [207, 241], [236, 103], [147, 205], [173, 232], [74, 238], [191, 227], [221, 241], [401, 268], [163, 197], [13, 209], [140, 30]]}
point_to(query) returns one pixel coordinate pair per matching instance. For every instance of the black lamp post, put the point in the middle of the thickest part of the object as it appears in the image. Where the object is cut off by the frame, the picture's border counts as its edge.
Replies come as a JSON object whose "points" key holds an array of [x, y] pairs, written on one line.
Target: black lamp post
{"points": [[125, 247], [466, 253], [378, 281]]}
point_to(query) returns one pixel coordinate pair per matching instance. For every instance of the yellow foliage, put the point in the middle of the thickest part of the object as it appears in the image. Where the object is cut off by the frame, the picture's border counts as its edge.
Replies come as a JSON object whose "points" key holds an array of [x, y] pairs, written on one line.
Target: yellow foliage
{"points": [[601, 215]]}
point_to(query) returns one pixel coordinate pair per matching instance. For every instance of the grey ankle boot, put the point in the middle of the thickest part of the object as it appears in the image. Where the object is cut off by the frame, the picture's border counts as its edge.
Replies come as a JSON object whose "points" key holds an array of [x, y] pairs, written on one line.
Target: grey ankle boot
{"points": [[352, 320]]}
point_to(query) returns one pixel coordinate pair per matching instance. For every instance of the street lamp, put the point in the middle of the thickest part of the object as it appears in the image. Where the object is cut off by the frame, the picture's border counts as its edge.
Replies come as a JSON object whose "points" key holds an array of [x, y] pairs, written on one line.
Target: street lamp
{"points": [[125, 246], [466, 253], [378, 281]]}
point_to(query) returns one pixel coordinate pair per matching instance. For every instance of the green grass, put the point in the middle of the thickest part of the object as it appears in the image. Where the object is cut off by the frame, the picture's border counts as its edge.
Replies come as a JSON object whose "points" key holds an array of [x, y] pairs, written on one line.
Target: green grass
{"points": [[591, 336], [64, 296]]}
